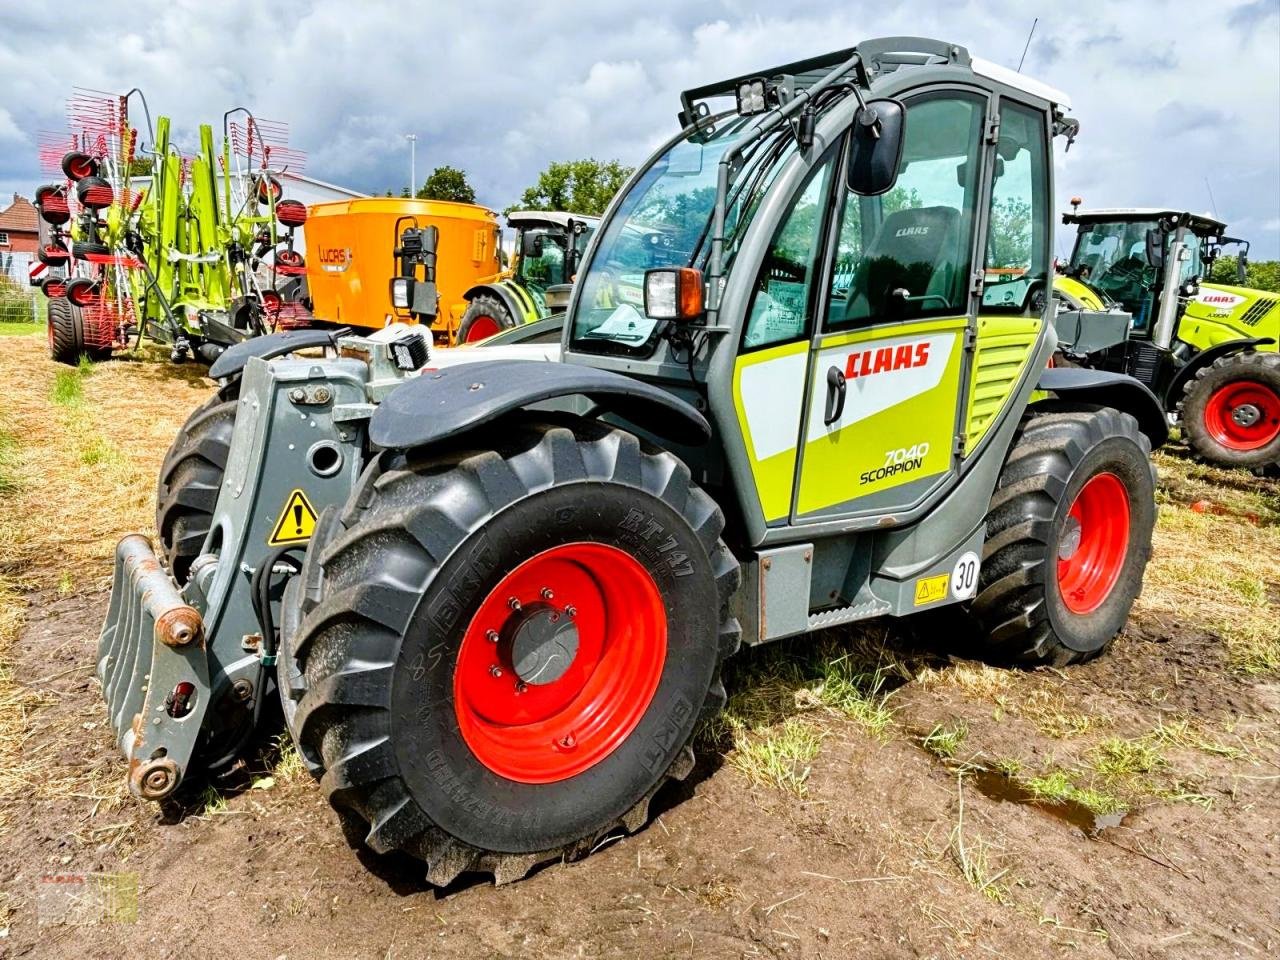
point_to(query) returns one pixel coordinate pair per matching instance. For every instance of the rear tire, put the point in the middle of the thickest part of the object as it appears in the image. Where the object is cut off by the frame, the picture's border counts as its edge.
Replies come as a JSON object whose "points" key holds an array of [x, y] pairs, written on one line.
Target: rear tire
{"points": [[66, 334], [190, 479], [1061, 569], [1230, 411], [392, 601], [485, 316]]}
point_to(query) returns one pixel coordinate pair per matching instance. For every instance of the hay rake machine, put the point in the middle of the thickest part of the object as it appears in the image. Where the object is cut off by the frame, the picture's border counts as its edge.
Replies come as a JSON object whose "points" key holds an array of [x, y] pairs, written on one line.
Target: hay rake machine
{"points": [[176, 259]]}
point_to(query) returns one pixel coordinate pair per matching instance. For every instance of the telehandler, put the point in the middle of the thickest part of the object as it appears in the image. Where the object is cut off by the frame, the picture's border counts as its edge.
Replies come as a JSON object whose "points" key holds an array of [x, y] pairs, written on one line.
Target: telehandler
{"points": [[496, 596], [1208, 350]]}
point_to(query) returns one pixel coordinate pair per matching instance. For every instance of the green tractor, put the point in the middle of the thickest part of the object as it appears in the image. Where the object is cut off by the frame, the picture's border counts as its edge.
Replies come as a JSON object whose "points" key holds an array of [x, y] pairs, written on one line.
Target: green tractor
{"points": [[494, 596], [1208, 350], [549, 249]]}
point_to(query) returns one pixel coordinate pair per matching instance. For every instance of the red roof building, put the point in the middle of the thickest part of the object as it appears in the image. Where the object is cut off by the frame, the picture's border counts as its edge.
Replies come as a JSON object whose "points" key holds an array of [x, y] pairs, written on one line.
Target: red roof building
{"points": [[19, 228]]}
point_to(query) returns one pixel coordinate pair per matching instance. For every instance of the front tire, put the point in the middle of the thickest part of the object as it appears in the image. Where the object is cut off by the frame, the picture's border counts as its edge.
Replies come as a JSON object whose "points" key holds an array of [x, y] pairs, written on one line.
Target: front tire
{"points": [[1068, 537], [190, 478], [1231, 411], [485, 316], [480, 734]]}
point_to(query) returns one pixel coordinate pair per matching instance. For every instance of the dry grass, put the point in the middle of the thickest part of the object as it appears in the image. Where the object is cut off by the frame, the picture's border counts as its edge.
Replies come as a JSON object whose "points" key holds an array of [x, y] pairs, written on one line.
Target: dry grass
{"points": [[78, 461], [1215, 563]]}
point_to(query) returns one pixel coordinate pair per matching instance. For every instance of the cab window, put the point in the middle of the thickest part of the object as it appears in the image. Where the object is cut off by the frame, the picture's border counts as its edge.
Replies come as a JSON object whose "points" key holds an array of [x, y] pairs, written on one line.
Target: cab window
{"points": [[780, 301], [1016, 252], [906, 254]]}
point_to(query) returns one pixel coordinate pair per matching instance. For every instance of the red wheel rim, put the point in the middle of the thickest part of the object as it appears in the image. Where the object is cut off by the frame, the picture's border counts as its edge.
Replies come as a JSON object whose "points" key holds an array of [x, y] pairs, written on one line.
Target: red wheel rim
{"points": [[1093, 544], [536, 711], [1243, 415], [482, 327]]}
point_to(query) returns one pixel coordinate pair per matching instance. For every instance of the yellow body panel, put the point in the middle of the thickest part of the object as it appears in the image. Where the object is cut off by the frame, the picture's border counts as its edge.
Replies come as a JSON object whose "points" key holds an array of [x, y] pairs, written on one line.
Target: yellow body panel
{"points": [[1000, 355], [350, 260], [1078, 293]]}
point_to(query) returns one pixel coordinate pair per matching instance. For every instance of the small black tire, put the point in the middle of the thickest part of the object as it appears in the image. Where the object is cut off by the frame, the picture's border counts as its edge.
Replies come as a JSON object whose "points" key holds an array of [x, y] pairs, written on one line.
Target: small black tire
{"points": [[77, 165], [381, 610], [485, 316], [1208, 417], [53, 254], [190, 478], [94, 193], [66, 332], [86, 248], [1020, 604]]}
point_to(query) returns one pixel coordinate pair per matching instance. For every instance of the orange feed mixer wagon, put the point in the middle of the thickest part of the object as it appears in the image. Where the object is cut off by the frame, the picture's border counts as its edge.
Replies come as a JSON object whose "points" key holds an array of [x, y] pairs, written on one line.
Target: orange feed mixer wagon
{"points": [[351, 258]]}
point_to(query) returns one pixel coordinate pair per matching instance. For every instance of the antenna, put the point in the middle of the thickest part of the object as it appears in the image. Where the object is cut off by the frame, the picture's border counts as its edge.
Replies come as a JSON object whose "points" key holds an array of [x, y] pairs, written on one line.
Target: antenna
{"points": [[1213, 203], [1027, 46]]}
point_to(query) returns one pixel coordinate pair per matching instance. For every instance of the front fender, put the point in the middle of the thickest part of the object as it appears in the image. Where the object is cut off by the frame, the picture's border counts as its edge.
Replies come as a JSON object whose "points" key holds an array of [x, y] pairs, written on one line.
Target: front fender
{"points": [[1201, 360], [445, 403], [231, 362], [1107, 389], [509, 295]]}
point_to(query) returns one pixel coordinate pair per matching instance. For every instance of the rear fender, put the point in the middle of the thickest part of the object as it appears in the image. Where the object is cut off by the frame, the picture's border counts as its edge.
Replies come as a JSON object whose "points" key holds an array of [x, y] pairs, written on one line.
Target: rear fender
{"points": [[1203, 359], [1107, 389], [445, 403]]}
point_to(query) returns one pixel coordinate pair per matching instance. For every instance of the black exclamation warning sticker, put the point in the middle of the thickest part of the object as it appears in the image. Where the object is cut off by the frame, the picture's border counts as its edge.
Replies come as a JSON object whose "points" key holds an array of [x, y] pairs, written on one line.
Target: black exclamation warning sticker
{"points": [[296, 523]]}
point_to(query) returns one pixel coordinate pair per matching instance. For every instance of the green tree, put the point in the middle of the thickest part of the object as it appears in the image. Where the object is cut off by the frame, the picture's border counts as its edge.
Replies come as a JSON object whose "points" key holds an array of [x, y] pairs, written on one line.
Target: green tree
{"points": [[575, 186], [1009, 239], [1259, 275], [447, 183], [141, 166]]}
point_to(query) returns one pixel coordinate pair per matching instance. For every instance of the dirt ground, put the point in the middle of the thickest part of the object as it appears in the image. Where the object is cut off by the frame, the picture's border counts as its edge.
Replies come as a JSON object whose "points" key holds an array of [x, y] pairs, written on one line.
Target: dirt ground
{"points": [[867, 796]]}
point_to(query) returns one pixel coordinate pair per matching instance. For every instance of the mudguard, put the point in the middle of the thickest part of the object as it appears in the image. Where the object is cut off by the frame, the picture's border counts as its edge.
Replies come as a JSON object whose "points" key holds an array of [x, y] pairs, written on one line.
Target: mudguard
{"points": [[502, 292], [447, 402], [1116, 390], [1203, 359], [232, 360]]}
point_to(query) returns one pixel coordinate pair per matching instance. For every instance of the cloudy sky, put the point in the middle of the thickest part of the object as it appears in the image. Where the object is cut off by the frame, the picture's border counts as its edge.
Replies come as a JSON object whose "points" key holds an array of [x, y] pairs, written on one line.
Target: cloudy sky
{"points": [[1179, 100]]}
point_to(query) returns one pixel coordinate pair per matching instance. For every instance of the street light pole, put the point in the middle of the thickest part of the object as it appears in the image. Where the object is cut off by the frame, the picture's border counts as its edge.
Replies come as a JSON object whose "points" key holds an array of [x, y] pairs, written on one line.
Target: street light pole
{"points": [[413, 162]]}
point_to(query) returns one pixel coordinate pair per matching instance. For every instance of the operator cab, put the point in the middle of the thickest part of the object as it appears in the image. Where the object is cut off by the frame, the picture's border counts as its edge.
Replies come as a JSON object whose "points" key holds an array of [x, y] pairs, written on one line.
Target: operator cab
{"points": [[549, 246]]}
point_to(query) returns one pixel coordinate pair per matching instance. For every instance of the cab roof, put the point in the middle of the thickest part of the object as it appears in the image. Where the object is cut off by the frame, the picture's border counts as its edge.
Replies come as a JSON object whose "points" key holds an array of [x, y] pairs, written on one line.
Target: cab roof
{"points": [[1197, 221], [556, 217]]}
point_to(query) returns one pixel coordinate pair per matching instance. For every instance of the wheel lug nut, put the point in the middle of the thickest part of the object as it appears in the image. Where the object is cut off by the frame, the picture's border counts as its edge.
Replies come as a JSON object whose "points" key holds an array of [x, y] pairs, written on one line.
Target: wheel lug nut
{"points": [[546, 593], [491, 636], [571, 611], [514, 604], [521, 686], [568, 741], [495, 671]]}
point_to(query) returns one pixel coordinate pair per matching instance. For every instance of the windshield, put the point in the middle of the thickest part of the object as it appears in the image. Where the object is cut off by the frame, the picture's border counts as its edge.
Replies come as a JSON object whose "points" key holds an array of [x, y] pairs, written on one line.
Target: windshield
{"points": [[1112, 256], [663, 221], [546, 266]]}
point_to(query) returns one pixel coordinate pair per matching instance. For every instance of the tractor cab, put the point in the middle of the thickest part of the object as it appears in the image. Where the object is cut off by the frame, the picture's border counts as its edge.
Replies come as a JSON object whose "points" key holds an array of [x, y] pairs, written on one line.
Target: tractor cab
{"points": [[549, 248]]}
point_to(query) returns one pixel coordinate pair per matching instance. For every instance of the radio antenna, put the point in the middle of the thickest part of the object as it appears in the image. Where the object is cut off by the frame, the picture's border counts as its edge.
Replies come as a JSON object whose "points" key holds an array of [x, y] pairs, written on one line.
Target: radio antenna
{"points": [[1027, 46]]}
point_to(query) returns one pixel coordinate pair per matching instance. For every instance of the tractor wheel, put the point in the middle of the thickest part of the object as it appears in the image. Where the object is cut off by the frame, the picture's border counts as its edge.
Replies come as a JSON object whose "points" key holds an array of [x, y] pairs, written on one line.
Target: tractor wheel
{"points": [[1231, 411], [190, 478], [66, 333], [485, 316], [1068, 537], [501, 654]]}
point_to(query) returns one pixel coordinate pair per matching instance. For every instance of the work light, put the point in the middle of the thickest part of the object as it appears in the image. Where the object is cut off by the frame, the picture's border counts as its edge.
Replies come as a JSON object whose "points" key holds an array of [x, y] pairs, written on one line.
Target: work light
{"points": [[751, 97], [673, 293], [400, 290]]}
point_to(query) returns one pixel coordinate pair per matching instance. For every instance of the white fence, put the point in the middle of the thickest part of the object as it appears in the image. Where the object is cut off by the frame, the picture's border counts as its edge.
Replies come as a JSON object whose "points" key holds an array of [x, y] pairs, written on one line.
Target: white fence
{"points": [[19, 301]]}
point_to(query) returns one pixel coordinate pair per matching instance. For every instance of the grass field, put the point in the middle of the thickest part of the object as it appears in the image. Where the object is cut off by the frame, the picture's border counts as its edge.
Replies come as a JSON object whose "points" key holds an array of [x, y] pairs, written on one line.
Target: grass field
{"points": [[866, 793]]}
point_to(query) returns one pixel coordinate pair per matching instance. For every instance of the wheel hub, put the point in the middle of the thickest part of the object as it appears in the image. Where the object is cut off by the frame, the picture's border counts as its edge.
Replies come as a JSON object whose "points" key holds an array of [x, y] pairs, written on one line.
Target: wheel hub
{"points": [[543, 645], [1070, 541], [1246, 415]]}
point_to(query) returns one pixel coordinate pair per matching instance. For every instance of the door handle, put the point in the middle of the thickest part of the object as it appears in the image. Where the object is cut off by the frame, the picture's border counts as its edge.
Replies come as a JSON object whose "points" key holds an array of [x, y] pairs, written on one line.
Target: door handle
{"points": [[835, 395]]}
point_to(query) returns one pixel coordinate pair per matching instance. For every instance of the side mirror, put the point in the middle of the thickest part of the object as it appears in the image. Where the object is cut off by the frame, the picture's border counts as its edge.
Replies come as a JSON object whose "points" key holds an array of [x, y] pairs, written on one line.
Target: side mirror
{"points": [[1155, 247], [1242, 269], [875, 147], [531, 245]]}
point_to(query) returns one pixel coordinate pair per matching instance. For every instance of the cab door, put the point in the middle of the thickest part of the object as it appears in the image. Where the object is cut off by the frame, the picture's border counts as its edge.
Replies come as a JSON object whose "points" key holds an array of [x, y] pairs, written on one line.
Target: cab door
{"points": [[888, 366]]}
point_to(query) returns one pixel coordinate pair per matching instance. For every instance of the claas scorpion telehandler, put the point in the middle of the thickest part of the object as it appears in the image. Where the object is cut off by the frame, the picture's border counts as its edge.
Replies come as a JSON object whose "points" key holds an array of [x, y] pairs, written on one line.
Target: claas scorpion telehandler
{"points": [[494, 598]]}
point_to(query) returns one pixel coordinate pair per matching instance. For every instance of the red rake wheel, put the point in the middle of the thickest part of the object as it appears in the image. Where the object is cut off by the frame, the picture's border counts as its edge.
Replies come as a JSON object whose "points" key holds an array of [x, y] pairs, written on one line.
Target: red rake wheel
{"points": [[291, 213], [1095, 540], [1243, 415], [482, 327], [94, 193], [51, 201], [55, 288], [78, 165], [268, 190], [82, 291], [290, 260], [560, 662], [53, 254]]}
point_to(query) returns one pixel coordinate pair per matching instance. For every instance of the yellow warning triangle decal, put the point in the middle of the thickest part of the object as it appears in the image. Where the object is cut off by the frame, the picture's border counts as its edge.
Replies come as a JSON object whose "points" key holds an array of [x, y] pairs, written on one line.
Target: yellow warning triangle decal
{"points": [[297, 521]]}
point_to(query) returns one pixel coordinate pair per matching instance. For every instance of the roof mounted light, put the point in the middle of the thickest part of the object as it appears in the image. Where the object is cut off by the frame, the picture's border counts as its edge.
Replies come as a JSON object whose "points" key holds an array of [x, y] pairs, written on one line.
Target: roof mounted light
{"points": [[751, 97]]}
